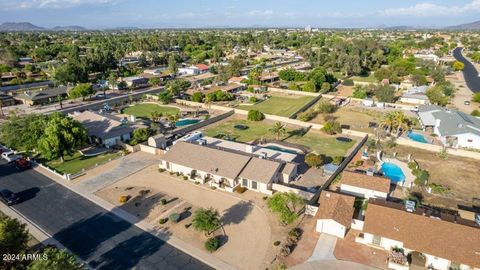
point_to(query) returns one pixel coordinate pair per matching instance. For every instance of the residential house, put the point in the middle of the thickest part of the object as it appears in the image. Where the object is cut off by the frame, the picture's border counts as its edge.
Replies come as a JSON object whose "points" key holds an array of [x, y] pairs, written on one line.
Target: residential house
{"points": [[224, 168], [335, 213], [453, 128], [202, 68], [136, 82], [416, 95], [192, 70], [365, 186], [6, 100], [427, 56], [42, 97], [429, 241], [103, 129]]}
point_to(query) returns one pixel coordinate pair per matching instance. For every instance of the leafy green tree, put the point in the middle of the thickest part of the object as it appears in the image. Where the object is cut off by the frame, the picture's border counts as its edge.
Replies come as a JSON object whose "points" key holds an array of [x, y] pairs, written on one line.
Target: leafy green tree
{"points": [[286, 205], [212, 244], [13, 239], [154, 81], [436, 96], [22, 132], [314, 160], [332, 127], [82, 90], [56, 259], [172, 64], [198, 97], [324, 106], [206, 220], [62, 136], [254, 115], [475, 113], [385, 93], [476, 97], [165, 97], [141, 134], [359, 92], [309, 87]]}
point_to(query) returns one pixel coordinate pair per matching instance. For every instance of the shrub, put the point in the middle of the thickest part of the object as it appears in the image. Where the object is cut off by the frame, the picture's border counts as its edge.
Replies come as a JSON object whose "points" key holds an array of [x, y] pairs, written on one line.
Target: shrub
{"points": [[476, 113], [437, 188], [188, 225], [285, 251], [332, 127], [476, 97], [124, 199], [276, 243], [307, 116], [324, 106], [254, 115], [163, 201], [421, 177], [163, 220], [175, 217], [253, 100], [264, 198], [213, 187], [337, 160], [314, 160], [185, 177], [241, 190], [348, 82], [161, 170], [212, 244], [295, 234]]}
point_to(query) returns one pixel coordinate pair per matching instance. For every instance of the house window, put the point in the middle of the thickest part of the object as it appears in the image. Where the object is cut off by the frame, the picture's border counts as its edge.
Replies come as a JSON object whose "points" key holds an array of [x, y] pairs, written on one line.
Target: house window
{"points": [[469, 140], [244, 182], [254, 185], [377, 240]]}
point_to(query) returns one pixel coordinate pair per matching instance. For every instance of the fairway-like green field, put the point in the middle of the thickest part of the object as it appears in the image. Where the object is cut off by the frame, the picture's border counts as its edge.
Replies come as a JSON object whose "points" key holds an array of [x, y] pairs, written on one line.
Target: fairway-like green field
{"points": [[144, 110], [280, 105], [315, 140], [77, 162]]}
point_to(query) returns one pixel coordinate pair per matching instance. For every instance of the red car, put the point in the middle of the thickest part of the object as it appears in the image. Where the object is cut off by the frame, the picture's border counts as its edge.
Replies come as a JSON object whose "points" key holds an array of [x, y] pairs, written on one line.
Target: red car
{"points": [[22, 164]]}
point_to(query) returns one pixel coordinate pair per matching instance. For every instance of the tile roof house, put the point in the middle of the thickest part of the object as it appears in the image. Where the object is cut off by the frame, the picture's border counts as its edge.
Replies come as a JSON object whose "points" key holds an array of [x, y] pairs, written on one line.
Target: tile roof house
{"points": [[227, 169], [365, 186], [335, 213], [453, 128], [443, 244], [41, 97], [103, 129]]}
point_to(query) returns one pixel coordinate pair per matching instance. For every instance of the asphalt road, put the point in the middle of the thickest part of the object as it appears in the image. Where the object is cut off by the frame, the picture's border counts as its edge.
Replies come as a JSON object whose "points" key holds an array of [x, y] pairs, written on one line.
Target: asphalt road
{"points": [[100, 238], [469, 72]]}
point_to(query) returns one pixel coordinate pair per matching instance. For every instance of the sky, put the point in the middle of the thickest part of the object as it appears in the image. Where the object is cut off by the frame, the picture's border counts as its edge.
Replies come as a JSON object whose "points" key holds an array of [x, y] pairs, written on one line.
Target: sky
{"points": [[240, 13]]}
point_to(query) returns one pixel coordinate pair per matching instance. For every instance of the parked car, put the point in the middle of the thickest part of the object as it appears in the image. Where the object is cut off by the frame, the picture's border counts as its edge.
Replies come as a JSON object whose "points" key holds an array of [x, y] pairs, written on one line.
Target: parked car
{"points": [[8, 197], [10, 156], [22, 164], [466, 102]]}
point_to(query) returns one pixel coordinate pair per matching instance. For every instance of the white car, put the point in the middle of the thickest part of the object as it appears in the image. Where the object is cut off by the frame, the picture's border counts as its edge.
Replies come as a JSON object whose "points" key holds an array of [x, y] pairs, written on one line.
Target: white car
{"points": [[10, 156]]}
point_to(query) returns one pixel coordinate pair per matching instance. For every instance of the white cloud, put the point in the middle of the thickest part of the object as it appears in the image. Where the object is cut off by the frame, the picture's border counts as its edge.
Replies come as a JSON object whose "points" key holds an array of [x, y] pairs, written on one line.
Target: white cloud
{"points": [[266, 12], [428, 9], [21, 4]]}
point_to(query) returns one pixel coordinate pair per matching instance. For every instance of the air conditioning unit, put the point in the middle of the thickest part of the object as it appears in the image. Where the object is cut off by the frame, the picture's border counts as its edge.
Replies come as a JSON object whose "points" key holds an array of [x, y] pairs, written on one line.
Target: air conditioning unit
{"points": [[410, 206]]}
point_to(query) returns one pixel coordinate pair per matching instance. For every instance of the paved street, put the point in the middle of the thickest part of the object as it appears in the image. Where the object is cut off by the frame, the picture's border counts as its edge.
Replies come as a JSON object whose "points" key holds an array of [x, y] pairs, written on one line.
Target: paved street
{"points": [[470, 72], [102, 239]]}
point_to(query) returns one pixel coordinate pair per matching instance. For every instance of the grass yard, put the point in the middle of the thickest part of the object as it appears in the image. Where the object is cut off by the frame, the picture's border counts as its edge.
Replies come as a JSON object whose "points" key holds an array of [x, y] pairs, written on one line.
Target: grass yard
{"points": [[280, 105], [144, 110], [77, 162], [353, 117], [315, 140], [368, 79]]}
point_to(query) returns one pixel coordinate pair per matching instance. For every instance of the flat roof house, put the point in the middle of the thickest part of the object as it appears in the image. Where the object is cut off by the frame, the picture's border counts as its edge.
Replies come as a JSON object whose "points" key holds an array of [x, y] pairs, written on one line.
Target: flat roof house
{"points": [[365, 186], [41, 97], [225, 169], [453, 128], [335, 213], [103, 129], [427, 240]]}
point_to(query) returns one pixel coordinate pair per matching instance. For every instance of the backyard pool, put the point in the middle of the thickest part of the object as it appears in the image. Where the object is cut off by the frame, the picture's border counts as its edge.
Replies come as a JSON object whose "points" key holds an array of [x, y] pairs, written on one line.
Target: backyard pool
{"points": [[417, 137], [186, 122], [393, 172], [277, 148]]}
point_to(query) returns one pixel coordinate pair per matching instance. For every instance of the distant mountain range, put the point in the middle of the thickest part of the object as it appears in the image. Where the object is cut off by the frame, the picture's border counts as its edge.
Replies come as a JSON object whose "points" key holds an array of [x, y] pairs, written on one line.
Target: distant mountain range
{"points": [[26, 26]]}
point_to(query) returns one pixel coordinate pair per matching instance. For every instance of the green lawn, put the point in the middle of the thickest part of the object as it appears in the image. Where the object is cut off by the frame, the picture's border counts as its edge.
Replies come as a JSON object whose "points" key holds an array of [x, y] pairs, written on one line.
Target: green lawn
{"points": [[144, 110], [280, 105], [77, 162], [369, 79], [315, 140]]}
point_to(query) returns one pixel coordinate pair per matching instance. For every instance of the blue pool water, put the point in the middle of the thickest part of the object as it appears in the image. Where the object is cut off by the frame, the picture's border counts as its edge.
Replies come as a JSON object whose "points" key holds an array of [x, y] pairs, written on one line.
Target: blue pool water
{"points": [[393, 172], [417, 137], [186, 122], [276, 148]]}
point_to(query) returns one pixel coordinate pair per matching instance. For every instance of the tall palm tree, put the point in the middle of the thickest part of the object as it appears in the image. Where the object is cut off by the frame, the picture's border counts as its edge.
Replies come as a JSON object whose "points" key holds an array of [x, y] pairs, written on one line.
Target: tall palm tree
{"points": [[278, 130], [401, 122], [388, 121]]}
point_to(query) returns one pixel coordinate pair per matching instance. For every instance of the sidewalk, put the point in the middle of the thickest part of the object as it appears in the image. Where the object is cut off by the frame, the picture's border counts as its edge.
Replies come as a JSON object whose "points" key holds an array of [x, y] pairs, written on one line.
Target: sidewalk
{"points": [[172, 240]]}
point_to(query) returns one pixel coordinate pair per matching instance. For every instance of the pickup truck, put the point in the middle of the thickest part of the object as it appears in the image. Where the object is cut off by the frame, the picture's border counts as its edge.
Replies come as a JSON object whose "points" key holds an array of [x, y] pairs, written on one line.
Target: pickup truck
{"points": [[10, 156]]}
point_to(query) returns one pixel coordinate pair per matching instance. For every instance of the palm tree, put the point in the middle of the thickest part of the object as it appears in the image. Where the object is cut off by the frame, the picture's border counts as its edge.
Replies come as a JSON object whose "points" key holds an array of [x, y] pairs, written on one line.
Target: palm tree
{"points": [[388, 122], [401, 122], [278, 130]]}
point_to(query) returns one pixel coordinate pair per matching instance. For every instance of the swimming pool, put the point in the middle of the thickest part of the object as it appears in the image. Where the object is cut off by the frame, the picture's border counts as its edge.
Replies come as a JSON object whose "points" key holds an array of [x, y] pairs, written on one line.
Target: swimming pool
{"points": [[273, 147], [186, 122], [417, 137], [393, 172]]}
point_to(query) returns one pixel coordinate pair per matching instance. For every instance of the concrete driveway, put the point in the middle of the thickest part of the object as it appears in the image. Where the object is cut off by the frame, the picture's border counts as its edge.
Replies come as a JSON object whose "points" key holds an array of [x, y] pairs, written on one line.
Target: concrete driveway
{"points": [[324, 248], [332, 265]]}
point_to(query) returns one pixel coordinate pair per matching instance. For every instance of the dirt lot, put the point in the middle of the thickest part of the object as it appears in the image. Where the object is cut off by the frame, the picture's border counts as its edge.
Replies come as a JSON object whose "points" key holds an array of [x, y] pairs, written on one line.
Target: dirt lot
{"points": [[249, 226], [460, 175], [353, 117]]}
